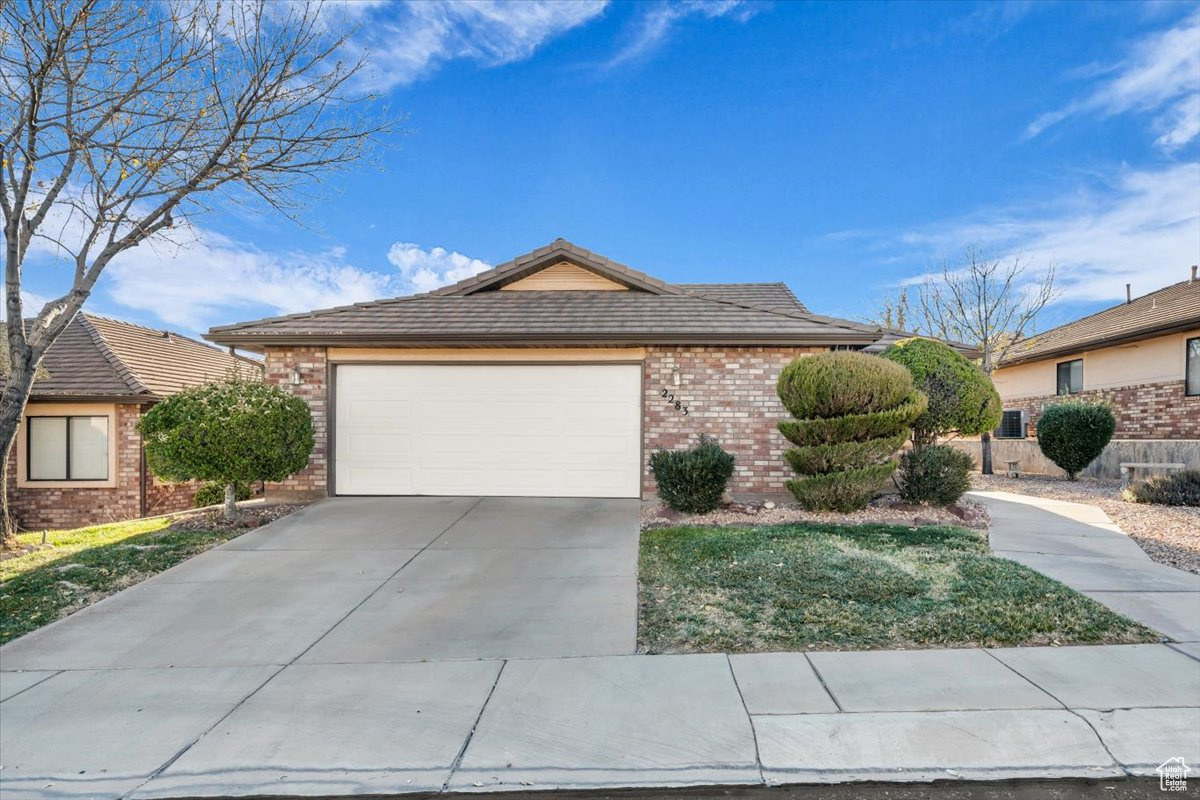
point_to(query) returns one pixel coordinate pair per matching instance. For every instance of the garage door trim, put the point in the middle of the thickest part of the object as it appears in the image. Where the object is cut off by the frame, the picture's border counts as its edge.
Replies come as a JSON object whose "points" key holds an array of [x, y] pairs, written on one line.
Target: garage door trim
{"points": [[331, 398]]}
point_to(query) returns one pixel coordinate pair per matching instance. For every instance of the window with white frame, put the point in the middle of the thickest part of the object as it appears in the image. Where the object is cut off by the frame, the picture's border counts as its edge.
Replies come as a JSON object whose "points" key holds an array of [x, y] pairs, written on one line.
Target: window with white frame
{"points": [[1192, 370], [67, 448]]}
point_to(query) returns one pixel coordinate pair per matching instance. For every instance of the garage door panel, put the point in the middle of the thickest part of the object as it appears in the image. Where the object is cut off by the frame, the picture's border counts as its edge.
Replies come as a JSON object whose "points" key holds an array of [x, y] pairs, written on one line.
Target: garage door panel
{"points": [[518, 430]]}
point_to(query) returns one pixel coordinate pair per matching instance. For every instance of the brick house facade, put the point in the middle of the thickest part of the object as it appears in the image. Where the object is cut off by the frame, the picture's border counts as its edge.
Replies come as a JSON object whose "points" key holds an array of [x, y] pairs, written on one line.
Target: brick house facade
{"points": [[729, 393], [103, 374], [570, 353], [1160, 410]]}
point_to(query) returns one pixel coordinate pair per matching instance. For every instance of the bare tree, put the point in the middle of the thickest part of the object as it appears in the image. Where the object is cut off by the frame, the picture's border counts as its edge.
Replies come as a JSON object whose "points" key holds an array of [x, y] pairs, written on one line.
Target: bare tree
{"points": [[120, 118], [989, 303]]}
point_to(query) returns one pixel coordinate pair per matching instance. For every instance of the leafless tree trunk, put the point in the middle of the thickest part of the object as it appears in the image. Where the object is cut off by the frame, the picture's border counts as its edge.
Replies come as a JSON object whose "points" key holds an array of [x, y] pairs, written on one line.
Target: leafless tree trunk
{"points": [[988, 303], [118, 117]]}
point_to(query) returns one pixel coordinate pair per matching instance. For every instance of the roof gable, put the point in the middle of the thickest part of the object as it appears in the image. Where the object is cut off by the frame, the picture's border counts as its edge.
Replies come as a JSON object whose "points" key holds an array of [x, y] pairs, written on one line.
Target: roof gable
{"points": [[564, 277], [555, 254]]}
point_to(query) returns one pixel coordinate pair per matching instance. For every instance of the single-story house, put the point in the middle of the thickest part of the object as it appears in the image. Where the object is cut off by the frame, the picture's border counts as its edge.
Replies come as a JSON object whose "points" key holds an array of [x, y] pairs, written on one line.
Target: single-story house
{"points": [[78, 456], [555, 374], [1141, 357]]}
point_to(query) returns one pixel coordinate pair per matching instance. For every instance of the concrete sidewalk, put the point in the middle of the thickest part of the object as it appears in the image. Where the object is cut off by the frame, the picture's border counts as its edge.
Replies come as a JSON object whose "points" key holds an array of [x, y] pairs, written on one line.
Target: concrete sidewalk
{"points": [[320, 726], [1080, 546]]}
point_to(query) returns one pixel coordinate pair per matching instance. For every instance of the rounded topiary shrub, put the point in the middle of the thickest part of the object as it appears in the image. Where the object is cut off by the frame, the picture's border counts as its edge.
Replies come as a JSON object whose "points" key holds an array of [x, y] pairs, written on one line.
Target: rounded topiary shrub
{"points": [[836, 384], [211, 494], [230, 432], [693, 481], [935, 475], [1176, 489], [1073, 435], [853, 412], [961, 396]]}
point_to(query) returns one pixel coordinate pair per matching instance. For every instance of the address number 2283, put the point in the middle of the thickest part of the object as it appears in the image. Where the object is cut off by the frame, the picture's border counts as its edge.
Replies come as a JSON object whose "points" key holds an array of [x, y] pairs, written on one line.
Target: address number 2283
{"points": [[669, 396]]}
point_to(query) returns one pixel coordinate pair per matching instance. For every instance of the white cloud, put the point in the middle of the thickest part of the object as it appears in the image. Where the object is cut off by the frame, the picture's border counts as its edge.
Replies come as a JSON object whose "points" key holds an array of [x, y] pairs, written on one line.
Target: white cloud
{"points": [[1144, 229], [424, 270], [1161, 76], [656, 25], [425, 34], [202, 278]]}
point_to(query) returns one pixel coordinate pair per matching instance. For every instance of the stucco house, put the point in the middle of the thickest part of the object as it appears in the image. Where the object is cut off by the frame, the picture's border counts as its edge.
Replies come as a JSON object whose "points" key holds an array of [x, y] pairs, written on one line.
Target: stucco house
{"points": [[78, 456], [555, 374], [1142, 357]]}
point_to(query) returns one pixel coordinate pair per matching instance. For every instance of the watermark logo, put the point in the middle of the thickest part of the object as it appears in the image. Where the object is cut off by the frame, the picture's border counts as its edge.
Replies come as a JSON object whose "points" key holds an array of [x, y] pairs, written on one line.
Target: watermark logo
{"points": [[1172, 775]]}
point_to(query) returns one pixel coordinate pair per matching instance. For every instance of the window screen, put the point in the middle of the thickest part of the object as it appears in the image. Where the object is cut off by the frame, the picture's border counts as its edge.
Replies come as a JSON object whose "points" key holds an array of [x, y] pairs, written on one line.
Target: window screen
{"points": [[1193, 366], [1070, 377], [68, 448]]}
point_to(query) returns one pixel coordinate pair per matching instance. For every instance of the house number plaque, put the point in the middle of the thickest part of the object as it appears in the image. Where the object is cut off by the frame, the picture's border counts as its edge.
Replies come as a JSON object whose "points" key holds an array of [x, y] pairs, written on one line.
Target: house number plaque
{"points": [[669, 396]]}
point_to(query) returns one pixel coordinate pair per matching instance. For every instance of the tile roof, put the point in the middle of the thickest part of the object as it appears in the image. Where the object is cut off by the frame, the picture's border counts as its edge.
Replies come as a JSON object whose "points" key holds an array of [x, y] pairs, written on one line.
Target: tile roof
{"points": [[101, 357], [549, 316], [766, 295], [472, 313], [1174, 308]]}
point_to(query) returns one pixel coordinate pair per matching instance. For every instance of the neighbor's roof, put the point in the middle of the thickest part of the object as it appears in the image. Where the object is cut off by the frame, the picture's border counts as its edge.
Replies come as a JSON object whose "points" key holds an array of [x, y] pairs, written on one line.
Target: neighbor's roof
{"points": [[473, 313], [98, 357], [1175, 308]]}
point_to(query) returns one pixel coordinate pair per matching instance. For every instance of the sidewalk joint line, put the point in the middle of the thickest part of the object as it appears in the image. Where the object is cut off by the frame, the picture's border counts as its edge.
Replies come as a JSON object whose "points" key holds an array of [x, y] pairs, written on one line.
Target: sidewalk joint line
{"points": [[462, 752], [296, 658], [52, 674], [749, 719], [824, 685]]}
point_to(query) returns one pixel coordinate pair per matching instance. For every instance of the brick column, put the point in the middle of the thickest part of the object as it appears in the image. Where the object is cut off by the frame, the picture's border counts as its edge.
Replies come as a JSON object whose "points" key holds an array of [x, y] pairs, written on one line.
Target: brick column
{"points": [[311, 482]]}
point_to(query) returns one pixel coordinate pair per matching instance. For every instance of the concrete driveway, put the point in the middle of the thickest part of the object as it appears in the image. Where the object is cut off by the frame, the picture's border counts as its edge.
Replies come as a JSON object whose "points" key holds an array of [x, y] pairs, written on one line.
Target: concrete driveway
{"points": [[356, 580]]}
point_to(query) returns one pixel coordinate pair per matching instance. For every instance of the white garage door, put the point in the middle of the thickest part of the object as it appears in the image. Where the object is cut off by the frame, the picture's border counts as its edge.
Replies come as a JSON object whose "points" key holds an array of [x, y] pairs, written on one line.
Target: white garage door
{"points": [[510, 430]]}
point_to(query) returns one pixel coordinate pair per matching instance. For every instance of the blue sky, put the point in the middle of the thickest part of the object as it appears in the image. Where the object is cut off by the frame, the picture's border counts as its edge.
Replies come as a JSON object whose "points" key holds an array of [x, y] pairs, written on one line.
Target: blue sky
{"points": [[844, 148]]}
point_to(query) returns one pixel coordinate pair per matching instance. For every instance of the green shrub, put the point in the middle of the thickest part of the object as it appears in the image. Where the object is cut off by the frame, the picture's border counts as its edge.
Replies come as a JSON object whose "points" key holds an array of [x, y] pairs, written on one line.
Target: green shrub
{"points": [[234, 431], [854, 411], [845, 491], [693, 481], [962, 398], [853, 427], [1074, 434], [936, 475], [825, 458], [1176, 489], [211, 494], [836, 384]]}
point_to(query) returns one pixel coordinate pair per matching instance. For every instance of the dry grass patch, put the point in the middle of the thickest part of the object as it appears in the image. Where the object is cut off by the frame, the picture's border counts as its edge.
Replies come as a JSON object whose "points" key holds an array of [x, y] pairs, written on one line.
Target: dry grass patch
{"points": [[831, 587]]}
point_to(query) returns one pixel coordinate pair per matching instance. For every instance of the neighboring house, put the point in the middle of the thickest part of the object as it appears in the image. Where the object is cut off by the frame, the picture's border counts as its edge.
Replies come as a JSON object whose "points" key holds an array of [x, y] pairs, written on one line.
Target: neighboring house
{"points": [[1141, 357], [78, 456], [555, 374]]}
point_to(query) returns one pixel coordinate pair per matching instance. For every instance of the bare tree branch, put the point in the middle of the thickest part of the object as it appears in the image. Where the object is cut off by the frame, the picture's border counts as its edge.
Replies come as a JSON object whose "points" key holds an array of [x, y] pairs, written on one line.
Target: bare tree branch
{"points": [[118, 118]]}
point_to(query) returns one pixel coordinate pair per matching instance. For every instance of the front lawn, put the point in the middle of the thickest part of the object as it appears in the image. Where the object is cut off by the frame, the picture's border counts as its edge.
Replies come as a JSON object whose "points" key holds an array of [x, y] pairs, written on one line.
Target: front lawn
{"points": [[87, 564], [826, 587]]}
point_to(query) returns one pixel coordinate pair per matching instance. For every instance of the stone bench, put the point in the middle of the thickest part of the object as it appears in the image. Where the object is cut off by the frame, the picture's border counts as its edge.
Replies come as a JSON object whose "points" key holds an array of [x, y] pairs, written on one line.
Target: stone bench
{"points": [[1013, 469], [1130, 468]]}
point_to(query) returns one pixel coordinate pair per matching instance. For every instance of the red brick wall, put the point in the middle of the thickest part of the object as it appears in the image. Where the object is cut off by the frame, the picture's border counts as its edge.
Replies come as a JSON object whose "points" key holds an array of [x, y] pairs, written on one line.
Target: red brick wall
{"points": [[311, 363], [730, 394], [40, 509], [1146, 411]]}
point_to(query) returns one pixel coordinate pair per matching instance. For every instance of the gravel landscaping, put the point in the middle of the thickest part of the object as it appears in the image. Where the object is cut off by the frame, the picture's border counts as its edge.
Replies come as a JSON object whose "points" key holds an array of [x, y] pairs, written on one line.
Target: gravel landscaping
{"points": [[885, 510], [1168, 534]]}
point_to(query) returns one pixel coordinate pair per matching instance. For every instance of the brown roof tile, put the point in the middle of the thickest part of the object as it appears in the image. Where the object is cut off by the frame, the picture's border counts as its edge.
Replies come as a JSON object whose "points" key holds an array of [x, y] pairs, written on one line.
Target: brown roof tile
{"points": [[102, 357], [1176, 307], [765, 295]]}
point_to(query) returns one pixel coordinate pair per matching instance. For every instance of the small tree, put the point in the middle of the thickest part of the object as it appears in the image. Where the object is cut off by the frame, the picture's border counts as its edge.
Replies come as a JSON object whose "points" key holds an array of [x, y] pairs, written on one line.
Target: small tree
{"points": [[853, 412], [1073, 435], [962, 399], [235, 431], [981, 301]]}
